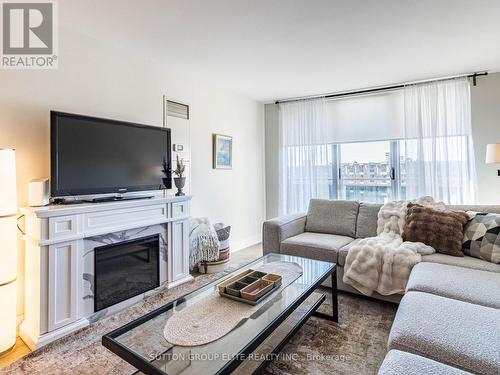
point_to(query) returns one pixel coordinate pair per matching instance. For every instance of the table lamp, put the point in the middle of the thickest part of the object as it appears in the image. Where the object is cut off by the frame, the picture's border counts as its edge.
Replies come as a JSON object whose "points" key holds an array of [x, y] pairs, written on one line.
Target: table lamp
{"points": [[493, 153], [8, 249]]}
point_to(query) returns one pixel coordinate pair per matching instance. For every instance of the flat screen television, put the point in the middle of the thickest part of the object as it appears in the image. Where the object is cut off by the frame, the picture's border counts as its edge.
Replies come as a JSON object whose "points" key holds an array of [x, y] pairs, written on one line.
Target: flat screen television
{"points": [[92, 155]]}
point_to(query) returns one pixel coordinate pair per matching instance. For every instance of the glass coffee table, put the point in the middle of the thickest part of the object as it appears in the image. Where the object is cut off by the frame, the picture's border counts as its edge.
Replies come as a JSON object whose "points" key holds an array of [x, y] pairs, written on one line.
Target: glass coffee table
{"points": [[141, 342]]}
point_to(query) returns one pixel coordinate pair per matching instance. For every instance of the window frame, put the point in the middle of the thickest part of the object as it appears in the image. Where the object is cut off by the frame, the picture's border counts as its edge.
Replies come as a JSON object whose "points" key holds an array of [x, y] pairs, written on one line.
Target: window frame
{"points": [[394, 168]]}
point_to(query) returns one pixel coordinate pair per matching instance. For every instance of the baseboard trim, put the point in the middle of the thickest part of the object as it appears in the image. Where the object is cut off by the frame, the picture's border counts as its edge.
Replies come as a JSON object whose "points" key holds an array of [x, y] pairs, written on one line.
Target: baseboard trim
{"points": [[180, 281], [36, 342], [27, 337]]}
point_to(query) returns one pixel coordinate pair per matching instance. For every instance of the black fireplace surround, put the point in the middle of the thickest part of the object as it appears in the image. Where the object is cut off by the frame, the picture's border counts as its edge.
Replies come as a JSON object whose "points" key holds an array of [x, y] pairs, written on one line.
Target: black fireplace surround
{"points": [[125, 269]]}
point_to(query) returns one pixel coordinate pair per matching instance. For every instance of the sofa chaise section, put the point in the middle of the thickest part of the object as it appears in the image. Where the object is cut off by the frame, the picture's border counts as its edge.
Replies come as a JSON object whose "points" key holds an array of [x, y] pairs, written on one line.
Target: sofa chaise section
{"points": [[463, 284], [398, 363], [456, 333], [465, 262]]}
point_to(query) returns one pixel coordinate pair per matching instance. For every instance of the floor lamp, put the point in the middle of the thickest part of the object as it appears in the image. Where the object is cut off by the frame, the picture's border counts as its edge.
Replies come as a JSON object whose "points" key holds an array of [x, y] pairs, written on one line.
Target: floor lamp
{"points": [[8, 249]]}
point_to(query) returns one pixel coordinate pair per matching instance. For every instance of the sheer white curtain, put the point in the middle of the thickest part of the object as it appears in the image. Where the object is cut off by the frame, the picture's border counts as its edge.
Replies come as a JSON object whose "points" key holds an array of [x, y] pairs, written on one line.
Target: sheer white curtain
{"points": [[438, 149], [304, 170]]}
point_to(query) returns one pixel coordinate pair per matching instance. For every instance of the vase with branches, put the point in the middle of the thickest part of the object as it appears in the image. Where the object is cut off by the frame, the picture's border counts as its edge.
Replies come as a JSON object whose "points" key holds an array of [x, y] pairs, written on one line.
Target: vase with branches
{"points": [[180, 180]]}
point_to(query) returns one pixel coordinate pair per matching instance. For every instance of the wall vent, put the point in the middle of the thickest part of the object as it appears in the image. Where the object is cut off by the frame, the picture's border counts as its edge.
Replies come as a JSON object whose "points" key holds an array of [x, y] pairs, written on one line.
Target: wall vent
{"points": [[176, 109]]}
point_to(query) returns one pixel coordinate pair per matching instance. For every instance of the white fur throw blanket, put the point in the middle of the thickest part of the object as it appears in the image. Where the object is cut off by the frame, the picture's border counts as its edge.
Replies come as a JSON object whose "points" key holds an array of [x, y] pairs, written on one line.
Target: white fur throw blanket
{"points": [[204, 244], [383, 264]]}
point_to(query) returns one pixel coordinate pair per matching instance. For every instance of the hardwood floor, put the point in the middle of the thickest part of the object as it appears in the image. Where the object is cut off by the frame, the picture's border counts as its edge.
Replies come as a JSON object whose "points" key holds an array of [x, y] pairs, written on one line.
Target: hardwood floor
{"points": [[20, 349], [246, 255]]}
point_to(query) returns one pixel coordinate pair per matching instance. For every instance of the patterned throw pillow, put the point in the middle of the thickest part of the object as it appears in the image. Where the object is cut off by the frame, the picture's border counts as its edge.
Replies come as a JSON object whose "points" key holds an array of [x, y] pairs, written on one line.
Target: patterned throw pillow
{"points": [[482, 237], [441, 229]]}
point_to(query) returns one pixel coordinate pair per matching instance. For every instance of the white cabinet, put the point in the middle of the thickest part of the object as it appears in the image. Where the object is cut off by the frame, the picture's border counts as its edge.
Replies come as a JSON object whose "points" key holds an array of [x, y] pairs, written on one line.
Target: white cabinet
{"points": [[180, 209], [178, 258], [63, 281], [54, 259]]}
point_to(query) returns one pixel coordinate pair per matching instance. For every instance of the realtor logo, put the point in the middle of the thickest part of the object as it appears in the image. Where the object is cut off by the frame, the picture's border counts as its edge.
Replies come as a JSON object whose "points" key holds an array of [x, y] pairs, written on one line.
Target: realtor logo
{"points": [[28, 35]]}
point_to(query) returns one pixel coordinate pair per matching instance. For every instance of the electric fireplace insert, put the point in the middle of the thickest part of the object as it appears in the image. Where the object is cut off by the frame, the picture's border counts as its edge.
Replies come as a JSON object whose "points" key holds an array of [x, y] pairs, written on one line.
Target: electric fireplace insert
{"points": [[124, 270]]}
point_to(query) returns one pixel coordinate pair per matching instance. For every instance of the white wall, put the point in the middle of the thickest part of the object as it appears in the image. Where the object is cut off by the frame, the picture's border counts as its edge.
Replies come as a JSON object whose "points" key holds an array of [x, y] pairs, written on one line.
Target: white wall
{"points": [[485, 129], [272, 159], [99, 80]]}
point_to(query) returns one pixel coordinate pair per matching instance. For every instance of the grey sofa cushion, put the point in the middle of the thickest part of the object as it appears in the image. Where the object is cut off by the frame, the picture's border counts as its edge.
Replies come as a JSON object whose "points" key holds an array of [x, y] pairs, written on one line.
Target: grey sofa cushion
{"points": [[464, 284], [466, 262], [366, 225], [345, 250], [398, 363], [453, 332], [319, 246], [332, 216]]}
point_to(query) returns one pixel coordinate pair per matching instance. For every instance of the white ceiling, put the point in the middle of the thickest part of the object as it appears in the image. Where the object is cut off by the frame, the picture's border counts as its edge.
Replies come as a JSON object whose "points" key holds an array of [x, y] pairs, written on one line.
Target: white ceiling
{"points": [[270, 49]]}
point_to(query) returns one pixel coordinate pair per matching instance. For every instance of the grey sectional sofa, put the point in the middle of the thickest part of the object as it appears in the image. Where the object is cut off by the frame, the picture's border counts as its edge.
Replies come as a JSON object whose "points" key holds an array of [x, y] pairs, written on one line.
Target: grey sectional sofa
{"points": [[448, 321]]}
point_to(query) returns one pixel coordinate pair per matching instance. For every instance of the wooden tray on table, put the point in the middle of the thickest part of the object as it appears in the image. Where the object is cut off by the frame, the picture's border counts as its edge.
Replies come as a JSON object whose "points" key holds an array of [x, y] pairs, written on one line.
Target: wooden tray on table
{"points": [[250, 286]]}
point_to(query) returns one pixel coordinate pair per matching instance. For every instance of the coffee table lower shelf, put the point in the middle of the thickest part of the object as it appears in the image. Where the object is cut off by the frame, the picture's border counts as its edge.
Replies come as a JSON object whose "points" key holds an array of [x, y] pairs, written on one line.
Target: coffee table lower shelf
{"points": [[272, 346]]}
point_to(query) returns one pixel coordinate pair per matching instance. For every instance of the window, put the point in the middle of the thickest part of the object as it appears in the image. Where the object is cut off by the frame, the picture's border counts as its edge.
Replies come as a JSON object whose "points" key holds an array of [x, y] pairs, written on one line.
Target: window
{"points": [[362, 171], [365, 172], [376, 171], [395, 145], [434, 166]]}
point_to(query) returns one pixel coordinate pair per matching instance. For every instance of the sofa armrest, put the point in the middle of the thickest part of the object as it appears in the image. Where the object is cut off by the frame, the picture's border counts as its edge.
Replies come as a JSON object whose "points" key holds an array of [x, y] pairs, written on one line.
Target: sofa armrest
{"points": [[277, 230]]}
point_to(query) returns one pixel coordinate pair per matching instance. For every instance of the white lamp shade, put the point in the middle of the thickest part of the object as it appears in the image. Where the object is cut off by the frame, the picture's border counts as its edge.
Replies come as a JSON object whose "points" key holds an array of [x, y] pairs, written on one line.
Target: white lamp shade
{"points": [[8, 249], [8, 191], [493, 153], [8, 213]]}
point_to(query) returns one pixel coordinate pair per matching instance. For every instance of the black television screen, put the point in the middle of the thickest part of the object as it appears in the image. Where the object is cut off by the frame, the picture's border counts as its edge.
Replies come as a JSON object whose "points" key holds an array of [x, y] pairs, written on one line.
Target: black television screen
{"points": [[94, 156]]}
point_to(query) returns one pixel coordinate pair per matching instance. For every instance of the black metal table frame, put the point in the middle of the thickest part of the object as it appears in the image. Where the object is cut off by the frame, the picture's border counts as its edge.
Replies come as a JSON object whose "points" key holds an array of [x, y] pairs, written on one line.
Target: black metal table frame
{"points": [[109, 340]]}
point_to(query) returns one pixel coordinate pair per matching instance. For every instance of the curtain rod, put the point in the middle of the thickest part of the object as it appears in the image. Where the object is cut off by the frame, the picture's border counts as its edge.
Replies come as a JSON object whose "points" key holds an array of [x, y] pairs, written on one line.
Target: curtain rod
{"points": [[382, 88]]}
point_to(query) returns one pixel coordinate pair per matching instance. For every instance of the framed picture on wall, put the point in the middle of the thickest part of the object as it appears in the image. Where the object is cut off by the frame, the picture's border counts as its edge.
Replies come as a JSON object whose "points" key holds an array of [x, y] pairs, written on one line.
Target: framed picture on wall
{"points": [[222, 151]]}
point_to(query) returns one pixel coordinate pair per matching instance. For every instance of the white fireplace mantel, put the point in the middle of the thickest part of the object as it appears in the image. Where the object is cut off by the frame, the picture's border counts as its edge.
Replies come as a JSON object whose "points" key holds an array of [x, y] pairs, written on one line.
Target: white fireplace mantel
{"points": [[54, 244]]}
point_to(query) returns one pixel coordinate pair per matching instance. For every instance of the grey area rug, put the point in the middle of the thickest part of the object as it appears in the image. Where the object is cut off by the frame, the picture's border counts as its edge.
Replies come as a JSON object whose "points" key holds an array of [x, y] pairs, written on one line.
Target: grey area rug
{"points": [[356, 345]]}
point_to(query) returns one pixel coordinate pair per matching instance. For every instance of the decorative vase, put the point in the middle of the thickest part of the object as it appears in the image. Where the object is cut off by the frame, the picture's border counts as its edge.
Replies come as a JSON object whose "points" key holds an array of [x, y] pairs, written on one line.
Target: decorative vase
{"points": [[165, 181], [179, 184]]}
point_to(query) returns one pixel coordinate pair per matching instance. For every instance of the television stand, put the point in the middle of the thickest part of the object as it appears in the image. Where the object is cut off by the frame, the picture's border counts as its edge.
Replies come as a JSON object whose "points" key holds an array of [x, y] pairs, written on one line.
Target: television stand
{"points": [[116, 198], [119, 198]]}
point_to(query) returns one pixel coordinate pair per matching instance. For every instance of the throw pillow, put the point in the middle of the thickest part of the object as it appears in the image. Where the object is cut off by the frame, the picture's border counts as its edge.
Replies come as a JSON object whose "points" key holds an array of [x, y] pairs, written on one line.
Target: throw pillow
{"points": [[223, 233], [440, 229], [482, 237], [332, 217], [366, 226]]}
